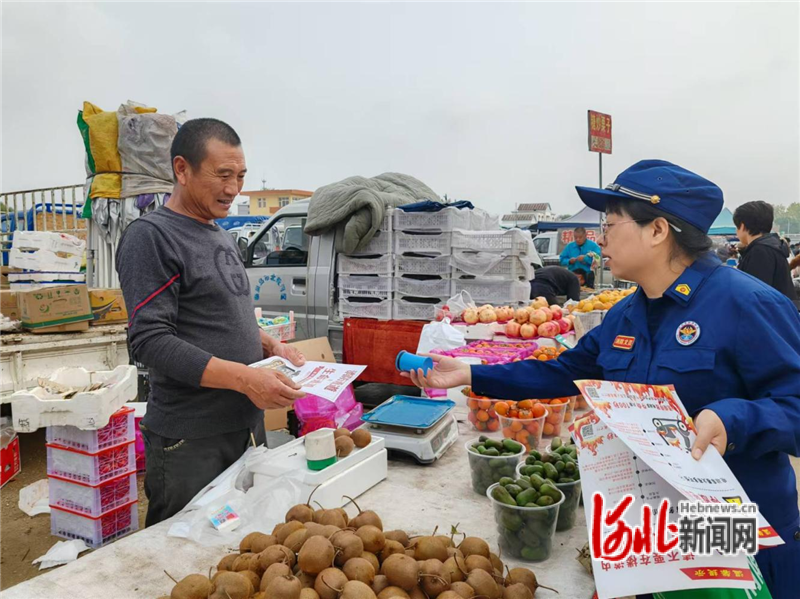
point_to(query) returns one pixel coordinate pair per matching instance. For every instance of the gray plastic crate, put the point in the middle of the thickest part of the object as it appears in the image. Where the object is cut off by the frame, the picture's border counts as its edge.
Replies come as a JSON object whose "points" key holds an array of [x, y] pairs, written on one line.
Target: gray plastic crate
{"points": [[446, 219], [422, 243], [348, 265], [407, 310], [381, 310], [423, 288], [414, 265]]}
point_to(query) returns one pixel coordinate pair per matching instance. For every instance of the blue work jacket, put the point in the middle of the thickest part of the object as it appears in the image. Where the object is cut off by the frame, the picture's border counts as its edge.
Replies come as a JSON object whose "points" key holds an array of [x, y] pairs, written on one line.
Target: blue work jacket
{"points": [[742, 361], [573, 250]]}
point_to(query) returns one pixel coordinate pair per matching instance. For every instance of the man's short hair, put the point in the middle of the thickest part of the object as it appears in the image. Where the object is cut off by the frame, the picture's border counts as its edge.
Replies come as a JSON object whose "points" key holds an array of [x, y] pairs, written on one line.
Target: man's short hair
{"points": [[580, 231], [580, 273], [193, 136], [757, 217]]}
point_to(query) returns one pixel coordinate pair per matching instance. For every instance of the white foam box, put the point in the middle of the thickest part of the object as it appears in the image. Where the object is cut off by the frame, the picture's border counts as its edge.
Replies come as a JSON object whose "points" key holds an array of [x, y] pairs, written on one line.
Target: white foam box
{"points": [[475, 332], [47, 277], [353, 475], [33, 409], [43, 261], [53, 242]]}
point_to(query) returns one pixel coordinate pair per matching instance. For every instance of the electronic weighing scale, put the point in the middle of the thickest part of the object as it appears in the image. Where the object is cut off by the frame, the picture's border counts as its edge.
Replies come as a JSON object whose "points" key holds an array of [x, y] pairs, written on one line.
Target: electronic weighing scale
{"points": [[422, 428]]}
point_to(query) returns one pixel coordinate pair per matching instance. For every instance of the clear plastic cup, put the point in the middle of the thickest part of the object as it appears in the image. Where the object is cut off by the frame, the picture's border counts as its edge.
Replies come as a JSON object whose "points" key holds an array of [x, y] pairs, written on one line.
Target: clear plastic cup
{"points": [[525, 533], [487, 470], [482, 415], [569, 415], [527, 431], [555, 419], [572, 497]]}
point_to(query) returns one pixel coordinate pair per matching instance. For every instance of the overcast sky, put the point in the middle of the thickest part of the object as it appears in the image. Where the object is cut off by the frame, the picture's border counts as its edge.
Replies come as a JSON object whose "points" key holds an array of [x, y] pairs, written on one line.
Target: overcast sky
{"points": [[485, 102]]}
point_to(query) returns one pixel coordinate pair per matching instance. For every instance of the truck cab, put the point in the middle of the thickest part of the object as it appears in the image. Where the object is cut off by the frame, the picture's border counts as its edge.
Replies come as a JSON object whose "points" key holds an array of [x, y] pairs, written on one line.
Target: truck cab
{"points": [[291, 271]]}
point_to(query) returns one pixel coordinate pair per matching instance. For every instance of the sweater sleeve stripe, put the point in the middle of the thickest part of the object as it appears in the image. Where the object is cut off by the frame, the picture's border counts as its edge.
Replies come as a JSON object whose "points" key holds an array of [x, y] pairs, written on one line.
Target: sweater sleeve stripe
{"points": [[152, 296]]}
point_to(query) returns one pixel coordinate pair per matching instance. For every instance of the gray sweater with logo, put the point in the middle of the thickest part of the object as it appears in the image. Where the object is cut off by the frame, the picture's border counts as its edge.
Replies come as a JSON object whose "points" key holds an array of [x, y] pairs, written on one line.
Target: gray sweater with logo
{"points": [[188, 300]]}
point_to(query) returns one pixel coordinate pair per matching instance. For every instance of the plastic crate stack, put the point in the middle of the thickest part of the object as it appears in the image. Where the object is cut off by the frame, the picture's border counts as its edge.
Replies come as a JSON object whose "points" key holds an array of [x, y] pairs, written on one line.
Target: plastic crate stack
{"points": [[493, 266], [423, 246], [365, 278], [92, 480]]}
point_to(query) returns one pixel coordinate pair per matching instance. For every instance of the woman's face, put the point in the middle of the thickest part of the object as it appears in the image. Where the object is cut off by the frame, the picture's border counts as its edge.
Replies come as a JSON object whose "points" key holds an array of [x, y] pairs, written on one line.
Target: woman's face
{"points": [[624, 247]]}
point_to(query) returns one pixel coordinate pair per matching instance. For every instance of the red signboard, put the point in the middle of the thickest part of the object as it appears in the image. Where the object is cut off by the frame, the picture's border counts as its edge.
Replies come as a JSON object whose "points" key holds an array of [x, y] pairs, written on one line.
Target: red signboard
{"points": [[599, 132], [568, 235]]}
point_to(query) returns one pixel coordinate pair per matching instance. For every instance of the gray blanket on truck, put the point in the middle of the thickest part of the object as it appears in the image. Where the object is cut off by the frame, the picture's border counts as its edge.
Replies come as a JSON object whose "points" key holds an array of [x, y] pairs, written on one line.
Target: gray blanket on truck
{"points": [[357, 205]]}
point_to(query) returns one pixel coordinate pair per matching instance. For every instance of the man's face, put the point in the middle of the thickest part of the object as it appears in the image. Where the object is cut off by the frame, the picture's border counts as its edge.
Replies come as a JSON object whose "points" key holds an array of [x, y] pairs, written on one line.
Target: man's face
{"points": [[215, 183], [580, 238], [742, 234], [581, 280]]}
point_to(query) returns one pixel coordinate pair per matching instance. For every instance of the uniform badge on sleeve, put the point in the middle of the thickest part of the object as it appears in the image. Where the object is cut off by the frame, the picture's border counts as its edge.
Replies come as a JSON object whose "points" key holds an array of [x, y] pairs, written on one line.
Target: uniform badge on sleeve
{"points": [[688, 332], [624, 342], [683, 289]]}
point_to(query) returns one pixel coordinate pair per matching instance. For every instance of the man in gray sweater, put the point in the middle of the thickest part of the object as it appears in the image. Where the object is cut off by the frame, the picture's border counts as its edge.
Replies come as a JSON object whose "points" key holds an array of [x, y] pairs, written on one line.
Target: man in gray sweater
{"points": [[192, 324]]}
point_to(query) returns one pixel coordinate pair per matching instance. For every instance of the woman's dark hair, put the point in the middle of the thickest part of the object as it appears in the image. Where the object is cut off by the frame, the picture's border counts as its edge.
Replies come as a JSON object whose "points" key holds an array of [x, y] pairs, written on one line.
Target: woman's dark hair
{"points": [[756, 217], [689, 241]]}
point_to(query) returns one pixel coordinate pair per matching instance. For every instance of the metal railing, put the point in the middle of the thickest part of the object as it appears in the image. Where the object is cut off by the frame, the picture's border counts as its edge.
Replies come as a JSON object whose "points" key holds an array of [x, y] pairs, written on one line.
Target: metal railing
{"points": [[55, 209]]}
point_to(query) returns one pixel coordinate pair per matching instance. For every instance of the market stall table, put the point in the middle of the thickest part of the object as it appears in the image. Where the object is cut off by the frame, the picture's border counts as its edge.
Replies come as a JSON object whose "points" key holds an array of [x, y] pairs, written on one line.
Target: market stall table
{"points": [[413, 498]]}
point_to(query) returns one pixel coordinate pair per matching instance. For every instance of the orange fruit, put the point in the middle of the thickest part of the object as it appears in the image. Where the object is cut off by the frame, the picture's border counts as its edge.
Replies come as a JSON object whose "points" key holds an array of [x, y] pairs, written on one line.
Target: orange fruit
{"points": [[532, 428], [483, 415], [543, 358], [493, 425], [481, 426], [513, 413], [485, 404], [507, 432], [525, 404], [522, 437], [548, 429], [525, 414], [473, 404], [501, 408], [516, 426], [538, 410], [472, 417]]}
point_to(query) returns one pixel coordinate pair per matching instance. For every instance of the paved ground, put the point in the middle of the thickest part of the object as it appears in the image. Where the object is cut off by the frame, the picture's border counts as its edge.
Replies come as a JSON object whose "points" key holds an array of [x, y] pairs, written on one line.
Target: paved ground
{"points": [[22, 539]]}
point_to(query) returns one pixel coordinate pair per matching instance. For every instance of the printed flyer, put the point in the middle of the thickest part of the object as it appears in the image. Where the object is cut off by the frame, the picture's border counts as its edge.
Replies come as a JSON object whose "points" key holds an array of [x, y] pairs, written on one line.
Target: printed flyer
{"points": [[324, 379]]}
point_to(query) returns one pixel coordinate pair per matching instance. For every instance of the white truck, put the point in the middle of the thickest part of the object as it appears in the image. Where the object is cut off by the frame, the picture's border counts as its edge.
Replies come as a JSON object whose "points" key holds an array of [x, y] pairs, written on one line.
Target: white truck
{"points": [[289, 270]]}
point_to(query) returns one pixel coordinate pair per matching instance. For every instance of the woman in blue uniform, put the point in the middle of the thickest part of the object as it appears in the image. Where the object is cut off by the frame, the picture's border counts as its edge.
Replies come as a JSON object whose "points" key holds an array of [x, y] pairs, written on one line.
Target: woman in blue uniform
{"points": [[729, 343]]}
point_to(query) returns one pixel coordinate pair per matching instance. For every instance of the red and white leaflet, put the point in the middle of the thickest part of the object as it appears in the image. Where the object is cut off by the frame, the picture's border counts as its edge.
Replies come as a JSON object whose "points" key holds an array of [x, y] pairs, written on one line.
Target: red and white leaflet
{"points": [[652, 421], [609, 467], [323, 379]]}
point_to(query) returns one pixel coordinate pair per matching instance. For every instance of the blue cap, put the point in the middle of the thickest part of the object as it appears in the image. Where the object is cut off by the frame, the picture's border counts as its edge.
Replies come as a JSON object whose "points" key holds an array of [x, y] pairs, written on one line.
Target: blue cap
{"points": [[666, 186]]}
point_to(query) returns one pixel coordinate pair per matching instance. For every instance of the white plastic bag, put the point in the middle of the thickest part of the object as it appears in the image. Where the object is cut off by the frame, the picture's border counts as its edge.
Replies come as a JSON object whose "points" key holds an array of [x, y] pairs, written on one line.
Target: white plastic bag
{"points": [[439, 335], [458, 303], [35, 498]]}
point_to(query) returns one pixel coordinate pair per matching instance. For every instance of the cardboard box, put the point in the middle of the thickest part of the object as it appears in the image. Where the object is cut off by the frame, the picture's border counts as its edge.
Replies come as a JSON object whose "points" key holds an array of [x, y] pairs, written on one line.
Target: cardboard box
{"points": [[75, 327], [53, 242], [315, 350], [9, 304], [10, 464], [44, 261], [55, 306], [108, 306], [4, 272]]}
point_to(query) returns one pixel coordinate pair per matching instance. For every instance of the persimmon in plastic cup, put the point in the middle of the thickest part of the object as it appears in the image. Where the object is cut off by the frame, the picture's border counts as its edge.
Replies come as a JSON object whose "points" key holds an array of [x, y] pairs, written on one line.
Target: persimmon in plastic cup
{"points": [[569, 415], [555, 418], [482, 414], [527, 431]]}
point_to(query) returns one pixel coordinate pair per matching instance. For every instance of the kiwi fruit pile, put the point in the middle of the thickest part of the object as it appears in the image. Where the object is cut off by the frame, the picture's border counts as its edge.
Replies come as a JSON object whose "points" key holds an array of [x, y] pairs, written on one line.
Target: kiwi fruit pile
{"points": [[325, 554]]}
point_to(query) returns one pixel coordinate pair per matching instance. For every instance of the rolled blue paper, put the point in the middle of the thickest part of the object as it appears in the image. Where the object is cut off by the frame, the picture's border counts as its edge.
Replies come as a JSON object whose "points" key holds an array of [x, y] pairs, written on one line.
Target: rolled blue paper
{"points": [[406, 361]]}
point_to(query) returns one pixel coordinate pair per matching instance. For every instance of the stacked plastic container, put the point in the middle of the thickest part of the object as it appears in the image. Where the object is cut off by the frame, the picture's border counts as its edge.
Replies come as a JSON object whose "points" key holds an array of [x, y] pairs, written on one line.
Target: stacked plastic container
{"points": [[493, 266], [423, 245], [92, 480], [418, 260], [365, 278]]}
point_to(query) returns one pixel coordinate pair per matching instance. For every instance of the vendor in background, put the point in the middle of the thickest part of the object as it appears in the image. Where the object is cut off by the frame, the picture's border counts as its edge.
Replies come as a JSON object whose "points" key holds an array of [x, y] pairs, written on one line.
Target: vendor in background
{"points": [[764, 255], [192, 323], [729, 343], [575, 255], [551, 281]]}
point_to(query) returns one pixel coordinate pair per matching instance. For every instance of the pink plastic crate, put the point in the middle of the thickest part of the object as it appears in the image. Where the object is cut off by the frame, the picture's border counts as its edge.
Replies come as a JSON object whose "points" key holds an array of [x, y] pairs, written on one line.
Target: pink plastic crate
{"points": [[90, 468], [118, 430], [95, 531], [93, 500]]}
